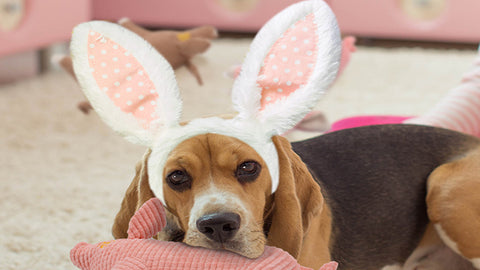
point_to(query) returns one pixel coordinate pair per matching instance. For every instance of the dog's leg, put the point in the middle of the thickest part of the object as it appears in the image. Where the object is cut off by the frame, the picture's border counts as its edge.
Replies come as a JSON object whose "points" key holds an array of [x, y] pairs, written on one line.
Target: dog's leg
{"points": [[429, 243], [454, 205], [433, 254]]}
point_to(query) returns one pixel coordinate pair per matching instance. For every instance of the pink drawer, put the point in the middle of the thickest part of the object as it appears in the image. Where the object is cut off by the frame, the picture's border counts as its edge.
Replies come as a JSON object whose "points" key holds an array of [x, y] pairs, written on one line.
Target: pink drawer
{"points": [[233, 15], [43, 22], [437, 20]]}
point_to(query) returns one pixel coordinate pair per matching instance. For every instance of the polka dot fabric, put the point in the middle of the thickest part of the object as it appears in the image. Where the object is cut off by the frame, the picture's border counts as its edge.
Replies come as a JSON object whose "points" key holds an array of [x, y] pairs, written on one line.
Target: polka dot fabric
{"points": [[289, 62], [121, 77]]}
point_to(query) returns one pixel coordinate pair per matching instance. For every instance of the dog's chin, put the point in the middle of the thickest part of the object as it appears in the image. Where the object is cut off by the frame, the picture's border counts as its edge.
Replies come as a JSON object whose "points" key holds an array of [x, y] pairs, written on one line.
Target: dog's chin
{"points": [[249, 249]]}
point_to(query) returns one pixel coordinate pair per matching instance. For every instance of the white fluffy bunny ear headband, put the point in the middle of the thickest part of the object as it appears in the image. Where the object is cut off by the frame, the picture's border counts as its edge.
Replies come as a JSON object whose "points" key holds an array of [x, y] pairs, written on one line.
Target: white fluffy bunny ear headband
{"points": [[292, 61]]}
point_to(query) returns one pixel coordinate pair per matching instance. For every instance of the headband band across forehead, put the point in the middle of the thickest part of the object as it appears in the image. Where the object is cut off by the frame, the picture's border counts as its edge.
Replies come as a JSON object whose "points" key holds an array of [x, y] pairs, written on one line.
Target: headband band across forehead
{"points": [[292, 61]]}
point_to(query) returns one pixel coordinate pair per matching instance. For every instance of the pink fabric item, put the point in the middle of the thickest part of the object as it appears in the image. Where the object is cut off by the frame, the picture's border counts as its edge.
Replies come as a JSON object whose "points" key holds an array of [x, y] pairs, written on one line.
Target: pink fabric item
{"points": [[122, 78], [359, 121], [150, 254], [148, 221], [289, 62], [153, 254], [460, 109]]}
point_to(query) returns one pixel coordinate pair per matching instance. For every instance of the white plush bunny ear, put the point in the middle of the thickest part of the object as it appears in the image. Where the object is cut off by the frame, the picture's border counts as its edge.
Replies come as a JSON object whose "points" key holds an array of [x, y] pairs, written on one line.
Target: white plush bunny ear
{"points": [[130, 85], [292, 61]]}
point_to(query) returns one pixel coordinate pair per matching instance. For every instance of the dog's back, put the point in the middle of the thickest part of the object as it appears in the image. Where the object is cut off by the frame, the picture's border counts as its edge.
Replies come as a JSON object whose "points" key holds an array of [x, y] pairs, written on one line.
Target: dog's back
{"points": [[374, 180]]}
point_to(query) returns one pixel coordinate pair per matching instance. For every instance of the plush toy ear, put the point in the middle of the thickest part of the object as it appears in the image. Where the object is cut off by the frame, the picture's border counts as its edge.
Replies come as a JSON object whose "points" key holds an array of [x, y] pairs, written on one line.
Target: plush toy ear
{"points": [[148, 220], [293, 59], [130, 85]]}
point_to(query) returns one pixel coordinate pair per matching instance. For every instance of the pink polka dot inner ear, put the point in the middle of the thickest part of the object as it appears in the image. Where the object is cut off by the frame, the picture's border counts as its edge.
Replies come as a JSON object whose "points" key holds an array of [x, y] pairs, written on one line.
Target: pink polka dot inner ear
{"points": [[290, 62], [122, 78]]}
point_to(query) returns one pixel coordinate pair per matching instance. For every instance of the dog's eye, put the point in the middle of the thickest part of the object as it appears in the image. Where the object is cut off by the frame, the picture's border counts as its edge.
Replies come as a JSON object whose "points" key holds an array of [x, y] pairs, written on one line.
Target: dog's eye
{"points": [[179, 180], [248, 171]]}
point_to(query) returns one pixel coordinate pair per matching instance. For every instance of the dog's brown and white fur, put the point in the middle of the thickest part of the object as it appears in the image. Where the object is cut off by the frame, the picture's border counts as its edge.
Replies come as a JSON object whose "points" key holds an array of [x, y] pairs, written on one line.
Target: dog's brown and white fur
{"points": [[369, 198]]}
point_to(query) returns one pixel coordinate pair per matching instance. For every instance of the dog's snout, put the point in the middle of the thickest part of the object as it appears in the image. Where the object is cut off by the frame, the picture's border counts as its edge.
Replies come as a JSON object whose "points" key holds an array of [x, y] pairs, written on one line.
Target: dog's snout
{"points": [[219, 227]]}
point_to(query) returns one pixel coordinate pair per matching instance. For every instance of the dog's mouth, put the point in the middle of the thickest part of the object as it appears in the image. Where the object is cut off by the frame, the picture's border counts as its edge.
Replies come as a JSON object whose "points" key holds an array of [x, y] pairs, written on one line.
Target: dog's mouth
{"points": [[251, 252], [250, 245], [251, 249], [172, 231], [176, 236], [223, 231]]}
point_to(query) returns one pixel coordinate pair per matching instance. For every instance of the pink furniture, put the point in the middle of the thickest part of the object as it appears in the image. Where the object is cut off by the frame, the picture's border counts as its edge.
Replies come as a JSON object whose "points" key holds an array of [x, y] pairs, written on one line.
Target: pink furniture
{"points": [[29, 25], [33, 24], [41, 23], [435, 20], [44, 22], [230, 15]]}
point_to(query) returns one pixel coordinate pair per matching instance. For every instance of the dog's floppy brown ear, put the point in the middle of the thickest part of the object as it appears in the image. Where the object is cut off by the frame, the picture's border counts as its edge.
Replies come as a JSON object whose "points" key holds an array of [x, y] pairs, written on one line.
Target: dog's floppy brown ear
{"points": [[136, 195], [297, 200]]}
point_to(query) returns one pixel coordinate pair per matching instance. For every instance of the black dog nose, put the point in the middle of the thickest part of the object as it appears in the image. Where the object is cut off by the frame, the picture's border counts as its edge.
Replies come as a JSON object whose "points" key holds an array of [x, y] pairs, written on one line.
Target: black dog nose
{"points": [[219, 227]]}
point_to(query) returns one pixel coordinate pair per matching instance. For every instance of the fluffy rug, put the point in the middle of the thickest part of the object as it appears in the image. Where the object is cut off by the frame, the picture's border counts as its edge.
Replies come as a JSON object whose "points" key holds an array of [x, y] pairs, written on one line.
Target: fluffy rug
{"points": [[63, 173]]}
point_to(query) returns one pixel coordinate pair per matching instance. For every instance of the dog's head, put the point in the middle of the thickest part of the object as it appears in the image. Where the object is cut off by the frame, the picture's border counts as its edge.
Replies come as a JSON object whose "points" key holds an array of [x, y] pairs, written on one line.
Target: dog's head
{"points": [[216, 190], [216, 176], [218, 195]]}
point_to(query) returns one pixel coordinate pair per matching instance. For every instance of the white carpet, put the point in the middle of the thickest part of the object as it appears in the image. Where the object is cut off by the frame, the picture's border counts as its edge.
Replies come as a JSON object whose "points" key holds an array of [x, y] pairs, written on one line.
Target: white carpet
{"points": [[63, 174]]}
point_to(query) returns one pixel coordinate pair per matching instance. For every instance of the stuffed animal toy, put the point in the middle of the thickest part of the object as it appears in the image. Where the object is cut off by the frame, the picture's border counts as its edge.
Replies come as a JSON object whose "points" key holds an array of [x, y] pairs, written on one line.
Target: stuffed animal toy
{"points": [[140, 252], [459, 110], [177, 47]]}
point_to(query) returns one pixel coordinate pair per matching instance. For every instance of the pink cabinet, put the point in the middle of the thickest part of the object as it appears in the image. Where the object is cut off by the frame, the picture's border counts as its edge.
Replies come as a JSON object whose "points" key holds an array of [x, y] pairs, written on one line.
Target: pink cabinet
{"points": [[33, 24], [435, 20], [229, 15]]}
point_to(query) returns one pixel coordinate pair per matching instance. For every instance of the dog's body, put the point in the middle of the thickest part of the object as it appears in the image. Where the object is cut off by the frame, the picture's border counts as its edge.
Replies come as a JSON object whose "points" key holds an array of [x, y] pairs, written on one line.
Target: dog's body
{"points": [[375, 182]]}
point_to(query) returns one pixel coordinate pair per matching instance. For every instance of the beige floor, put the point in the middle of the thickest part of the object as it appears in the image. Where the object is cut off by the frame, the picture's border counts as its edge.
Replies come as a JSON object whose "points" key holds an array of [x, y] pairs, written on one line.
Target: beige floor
{"points": [[63, 174]]}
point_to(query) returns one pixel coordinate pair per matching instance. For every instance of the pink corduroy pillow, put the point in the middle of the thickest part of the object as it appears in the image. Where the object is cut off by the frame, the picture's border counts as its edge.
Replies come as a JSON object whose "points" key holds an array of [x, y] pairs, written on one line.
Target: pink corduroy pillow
{"points": [[140, 252]]}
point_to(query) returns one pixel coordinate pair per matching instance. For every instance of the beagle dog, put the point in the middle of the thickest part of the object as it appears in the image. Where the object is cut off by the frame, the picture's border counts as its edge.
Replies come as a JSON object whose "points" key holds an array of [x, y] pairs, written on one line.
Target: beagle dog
{"points": [[376, 197], [368, 198]]}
